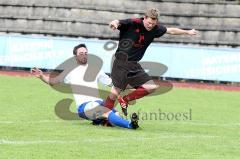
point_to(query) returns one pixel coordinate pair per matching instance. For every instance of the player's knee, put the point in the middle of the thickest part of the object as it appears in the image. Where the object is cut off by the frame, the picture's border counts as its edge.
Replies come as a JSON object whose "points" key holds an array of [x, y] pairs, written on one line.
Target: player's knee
{"points": [[106, 114], [151, 87], [113, 96], [114, 93]]}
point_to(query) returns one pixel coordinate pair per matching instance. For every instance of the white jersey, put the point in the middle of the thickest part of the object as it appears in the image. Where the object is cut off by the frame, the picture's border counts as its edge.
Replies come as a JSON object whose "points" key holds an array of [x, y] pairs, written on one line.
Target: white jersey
{"points": [[90, 91]]}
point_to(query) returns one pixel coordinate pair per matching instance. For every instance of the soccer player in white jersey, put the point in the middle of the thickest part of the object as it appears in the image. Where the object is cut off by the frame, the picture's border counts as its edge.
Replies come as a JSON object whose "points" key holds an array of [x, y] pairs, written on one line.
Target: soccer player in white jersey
{"points": [[90, 107]]}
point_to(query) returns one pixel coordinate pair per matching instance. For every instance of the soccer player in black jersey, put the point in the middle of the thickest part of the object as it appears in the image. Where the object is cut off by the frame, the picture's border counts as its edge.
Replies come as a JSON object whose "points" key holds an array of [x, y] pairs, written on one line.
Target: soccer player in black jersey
{"points": [[135, 37]]}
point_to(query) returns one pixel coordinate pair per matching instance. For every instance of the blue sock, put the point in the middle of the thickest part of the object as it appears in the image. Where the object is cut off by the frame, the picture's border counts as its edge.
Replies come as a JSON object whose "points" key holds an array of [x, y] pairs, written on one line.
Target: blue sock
{"points": [[114, 110], [118, 121]]}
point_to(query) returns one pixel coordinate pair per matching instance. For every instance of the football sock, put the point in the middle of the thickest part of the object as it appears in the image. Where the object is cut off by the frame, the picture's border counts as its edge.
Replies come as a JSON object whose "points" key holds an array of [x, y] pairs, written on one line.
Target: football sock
{"points": [[109, 103], [138, 93], [118, 121]]}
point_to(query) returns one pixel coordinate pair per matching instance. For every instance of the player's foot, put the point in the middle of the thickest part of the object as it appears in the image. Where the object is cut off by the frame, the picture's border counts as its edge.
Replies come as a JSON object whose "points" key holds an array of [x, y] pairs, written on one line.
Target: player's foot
{"points": [[123, 104], [134, 121]]}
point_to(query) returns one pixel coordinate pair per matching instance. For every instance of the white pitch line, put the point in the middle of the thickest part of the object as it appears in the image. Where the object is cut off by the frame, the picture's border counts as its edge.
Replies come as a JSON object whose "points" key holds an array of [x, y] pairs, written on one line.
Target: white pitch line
{"points": [[100, 140], [7, 122], [203, 124], [37, 122], [33, 142], [167, 123]]}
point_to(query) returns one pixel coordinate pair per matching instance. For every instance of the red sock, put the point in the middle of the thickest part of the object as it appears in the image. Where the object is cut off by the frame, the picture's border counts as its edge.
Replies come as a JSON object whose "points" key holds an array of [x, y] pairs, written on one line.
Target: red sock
{"points": [[138, 93], [109, 103]]}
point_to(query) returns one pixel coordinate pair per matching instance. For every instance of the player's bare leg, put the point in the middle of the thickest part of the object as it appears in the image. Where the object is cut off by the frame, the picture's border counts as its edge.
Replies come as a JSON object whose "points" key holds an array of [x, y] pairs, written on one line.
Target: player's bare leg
{"points": [[150, 86]]}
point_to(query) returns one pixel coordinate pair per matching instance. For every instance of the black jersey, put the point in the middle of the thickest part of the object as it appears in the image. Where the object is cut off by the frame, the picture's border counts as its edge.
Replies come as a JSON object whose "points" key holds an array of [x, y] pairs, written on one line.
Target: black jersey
{"points": [[134, 38]]}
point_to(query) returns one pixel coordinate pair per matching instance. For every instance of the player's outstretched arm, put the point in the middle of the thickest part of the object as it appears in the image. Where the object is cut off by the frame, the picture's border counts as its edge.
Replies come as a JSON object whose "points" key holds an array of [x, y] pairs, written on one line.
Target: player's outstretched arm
{"points": [[39, 74], [177, 31]]}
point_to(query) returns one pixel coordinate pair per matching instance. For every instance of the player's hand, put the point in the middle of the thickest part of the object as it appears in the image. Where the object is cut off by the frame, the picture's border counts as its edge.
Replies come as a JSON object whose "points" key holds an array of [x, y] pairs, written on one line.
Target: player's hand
{"points": [[114, 24], [192, 32], [36, 72]]}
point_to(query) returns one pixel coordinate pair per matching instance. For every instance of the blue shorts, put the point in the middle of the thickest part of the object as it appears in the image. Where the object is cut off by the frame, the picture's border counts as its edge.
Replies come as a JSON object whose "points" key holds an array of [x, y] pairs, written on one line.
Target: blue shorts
{"points": [[92, 110]]}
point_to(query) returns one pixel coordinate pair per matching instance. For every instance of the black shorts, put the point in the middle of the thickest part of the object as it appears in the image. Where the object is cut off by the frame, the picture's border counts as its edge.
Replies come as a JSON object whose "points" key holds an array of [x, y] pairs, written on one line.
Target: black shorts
{"points": [[128, 72]]}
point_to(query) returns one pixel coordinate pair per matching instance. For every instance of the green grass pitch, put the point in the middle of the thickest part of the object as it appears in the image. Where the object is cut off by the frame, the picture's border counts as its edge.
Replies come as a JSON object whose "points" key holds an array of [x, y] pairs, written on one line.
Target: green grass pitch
{"points": [[30, 129]]}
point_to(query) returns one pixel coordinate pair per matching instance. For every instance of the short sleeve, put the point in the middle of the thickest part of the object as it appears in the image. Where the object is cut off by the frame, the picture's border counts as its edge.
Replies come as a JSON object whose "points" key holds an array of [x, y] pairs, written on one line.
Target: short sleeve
{"points": [[125, 24], [104, 79], [67, 79], [160, 31]]}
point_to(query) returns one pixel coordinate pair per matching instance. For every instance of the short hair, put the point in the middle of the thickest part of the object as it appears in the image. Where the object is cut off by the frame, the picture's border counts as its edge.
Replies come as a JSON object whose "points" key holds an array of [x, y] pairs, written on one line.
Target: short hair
{"points": [[77, 47], [152, 13]]}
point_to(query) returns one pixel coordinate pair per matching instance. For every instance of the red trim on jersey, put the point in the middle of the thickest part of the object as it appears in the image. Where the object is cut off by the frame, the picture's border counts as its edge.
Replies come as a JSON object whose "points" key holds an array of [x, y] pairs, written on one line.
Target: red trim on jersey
{"points": [[137, 30], [137, 20]]}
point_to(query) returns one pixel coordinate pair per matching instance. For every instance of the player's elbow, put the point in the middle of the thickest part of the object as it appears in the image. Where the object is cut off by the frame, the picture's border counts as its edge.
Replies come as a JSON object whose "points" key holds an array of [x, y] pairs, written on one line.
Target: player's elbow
{"points": [[53, 82], [170, 31]]}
